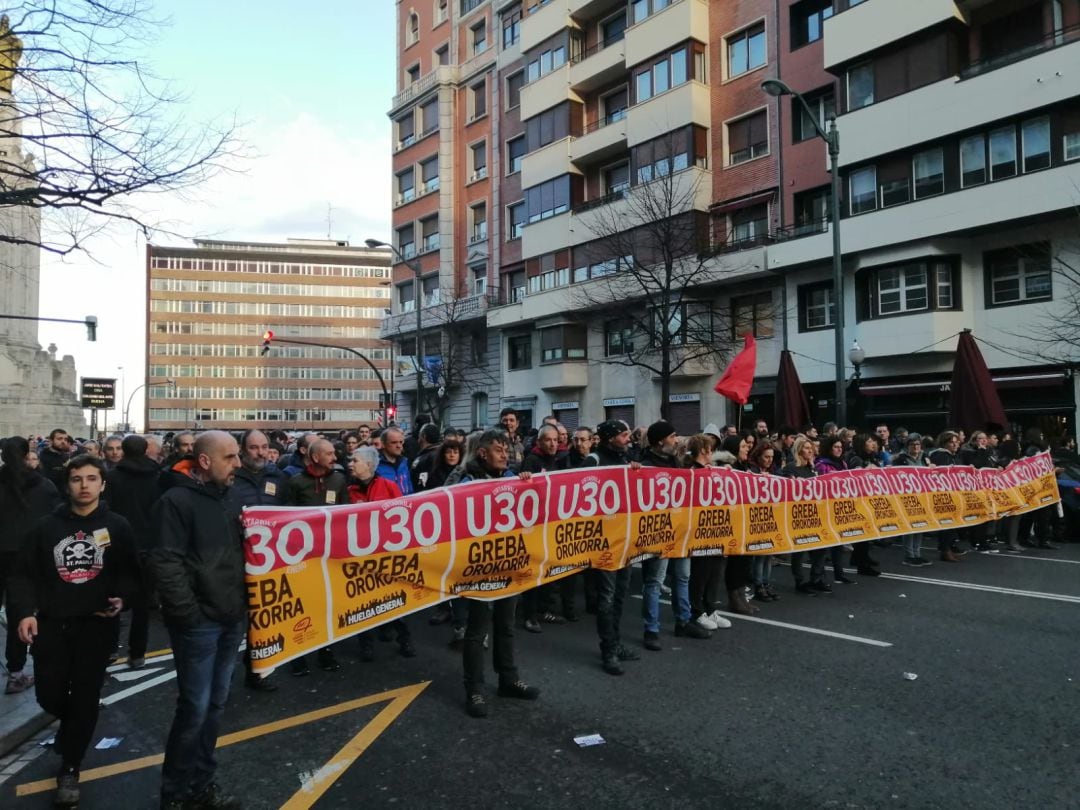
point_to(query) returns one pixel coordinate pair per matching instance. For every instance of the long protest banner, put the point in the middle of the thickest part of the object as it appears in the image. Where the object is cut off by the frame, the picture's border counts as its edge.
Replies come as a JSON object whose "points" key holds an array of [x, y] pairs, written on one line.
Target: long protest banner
{"points": [[319, 574]]}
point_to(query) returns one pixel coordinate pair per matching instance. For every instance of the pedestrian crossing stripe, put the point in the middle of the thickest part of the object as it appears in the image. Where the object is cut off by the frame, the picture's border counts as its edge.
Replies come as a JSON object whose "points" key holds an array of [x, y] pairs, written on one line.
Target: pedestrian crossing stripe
{"points": [[135, 674], [397, 701]]}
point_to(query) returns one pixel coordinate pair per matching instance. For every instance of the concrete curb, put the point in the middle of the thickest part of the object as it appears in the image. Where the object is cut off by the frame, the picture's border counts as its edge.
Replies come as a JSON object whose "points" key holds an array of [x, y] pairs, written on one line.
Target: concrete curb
{"points": [[22, 724]]}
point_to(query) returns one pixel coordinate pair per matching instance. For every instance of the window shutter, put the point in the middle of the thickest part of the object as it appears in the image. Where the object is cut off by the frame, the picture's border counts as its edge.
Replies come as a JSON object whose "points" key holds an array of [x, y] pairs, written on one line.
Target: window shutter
{"points": [[738, 135]]}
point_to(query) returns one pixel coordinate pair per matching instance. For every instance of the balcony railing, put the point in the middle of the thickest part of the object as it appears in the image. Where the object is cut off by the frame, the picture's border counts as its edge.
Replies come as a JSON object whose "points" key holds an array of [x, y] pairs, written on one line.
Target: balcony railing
{"points": [[595, 49], [600, 123], [733, 244], [610, 197], [1055, 39]]}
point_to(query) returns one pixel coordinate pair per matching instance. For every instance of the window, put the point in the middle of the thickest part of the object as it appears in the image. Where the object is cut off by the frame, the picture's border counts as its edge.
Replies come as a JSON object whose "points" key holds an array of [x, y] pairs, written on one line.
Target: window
{"points": [[1072, 146], [478, 215], [614, 106], [894, 181], [515, 153], [442, 54], [478, 99], [519, 352], [913, 287], [480, 410], [479, 37], [749, 224], [558, 343], [1002, 153], [670, 70], [442, 10], [808, 21], [515, 216], [513, 286], [429, 174], [429, 117], [545, 62], [822, 106], [860, 86], [406, 133], [619, 337], [973, 161], [817, 310], [511, 25], [429, 232], [406, 243], [812, 210], [613, 29], [514, 83], [687, 324], [547, 127], [412, 74], [616, 178], [479, 160], [406, 186], [548, 199], [863, 194], [748, 138], [753, 314], [479, 280], [1035, 135], [413, 33], [642, 9], [929, 170], [1019, 275], [746, 50], [469, 5], [673, 152]]}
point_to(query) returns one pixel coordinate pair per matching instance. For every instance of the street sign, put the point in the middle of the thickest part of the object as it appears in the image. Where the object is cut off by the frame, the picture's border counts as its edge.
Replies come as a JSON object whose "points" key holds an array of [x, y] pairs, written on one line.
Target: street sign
{"points": [[98, 392]]}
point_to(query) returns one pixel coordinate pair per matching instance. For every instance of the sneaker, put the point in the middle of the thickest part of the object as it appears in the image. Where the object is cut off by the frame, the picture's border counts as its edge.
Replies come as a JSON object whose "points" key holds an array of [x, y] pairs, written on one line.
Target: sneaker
{"points": [[258, 683], [327, 662], [136, 662], [820, 587], [518, 689], [843, 580], [706, 621], [923, 562], [626, 654], [611, 664], [721, 621], [476, 706], [911, 561], [652, 642], [533, 626], [773, 595], [692, 630], [18, 682], [299, 668], [805, 587], [67, 788], [406, 648], [212, 797], [552, 618], [987, 550]]}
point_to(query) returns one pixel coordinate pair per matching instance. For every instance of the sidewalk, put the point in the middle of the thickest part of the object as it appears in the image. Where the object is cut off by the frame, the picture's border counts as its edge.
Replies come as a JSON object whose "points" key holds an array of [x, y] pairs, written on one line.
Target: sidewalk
{"points": [[20, 715]]}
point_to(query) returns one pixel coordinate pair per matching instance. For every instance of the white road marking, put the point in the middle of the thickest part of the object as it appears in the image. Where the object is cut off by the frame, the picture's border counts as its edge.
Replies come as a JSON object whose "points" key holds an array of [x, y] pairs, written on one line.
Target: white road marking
{"points": [[817, 631], [157, 659], [136, 674], [972, 586], [134, 690]]}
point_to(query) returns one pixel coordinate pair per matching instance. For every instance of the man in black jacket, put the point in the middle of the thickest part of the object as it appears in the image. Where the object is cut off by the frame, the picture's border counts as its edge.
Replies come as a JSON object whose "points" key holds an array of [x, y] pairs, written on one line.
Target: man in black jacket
{"points": [[612, 586], [426, 456], [76, 573], [537, 603], [580, 447], [133, 491], [197, 563], [55, 456]]}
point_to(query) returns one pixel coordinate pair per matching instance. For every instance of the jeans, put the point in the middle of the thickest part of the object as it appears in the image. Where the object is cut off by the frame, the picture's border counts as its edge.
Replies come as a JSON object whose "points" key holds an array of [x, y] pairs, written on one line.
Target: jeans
{"points": [[817, 565], [706, 578], [913, 544], [497, 616], [610, 595], [70, 656], [653, 572], [205, 656], [15, 650], [759, 569]]}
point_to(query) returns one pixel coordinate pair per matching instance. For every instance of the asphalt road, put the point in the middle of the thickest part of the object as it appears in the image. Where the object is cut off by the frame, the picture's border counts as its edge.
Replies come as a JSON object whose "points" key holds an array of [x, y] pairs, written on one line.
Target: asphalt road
{"points": [[761, 715]]}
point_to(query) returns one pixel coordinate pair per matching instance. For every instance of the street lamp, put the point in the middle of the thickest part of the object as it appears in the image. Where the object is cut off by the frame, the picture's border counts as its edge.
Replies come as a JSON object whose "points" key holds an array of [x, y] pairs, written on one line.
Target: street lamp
{"points": [[857, 357], [776, 88], [131, 396], [414, 266]]}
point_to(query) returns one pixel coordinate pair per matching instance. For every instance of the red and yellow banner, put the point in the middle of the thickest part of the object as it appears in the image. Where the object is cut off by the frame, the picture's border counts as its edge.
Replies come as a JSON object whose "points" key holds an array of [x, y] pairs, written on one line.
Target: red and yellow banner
{"points": [[317, 575]]}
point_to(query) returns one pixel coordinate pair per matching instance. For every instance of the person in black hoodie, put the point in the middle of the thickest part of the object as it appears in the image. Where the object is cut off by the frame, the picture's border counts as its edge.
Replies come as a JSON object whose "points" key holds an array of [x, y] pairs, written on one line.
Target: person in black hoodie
{"points": [[76, 572], [25, 496], [426, 455], [53, 458], [197, 562]]}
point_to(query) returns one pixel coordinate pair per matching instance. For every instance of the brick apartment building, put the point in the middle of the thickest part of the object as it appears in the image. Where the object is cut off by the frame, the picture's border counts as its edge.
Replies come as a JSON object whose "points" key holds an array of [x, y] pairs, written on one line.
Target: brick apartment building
{"points": [[959, 126]]}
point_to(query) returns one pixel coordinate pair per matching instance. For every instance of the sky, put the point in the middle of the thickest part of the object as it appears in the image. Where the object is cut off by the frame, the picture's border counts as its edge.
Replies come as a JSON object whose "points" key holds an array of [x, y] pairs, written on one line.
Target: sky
{"points": [[309, 86]]}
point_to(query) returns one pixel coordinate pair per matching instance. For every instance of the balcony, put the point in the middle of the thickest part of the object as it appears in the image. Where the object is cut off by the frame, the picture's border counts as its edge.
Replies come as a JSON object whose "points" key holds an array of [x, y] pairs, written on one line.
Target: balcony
{"points": [[549, 90], [544, 23], [546, 163], [437, 313], [659, 32], [556, 376], [704, 366], [600, 140], [875, 23], [444, 74], [954, 105], [689, 103], [597, 66]]}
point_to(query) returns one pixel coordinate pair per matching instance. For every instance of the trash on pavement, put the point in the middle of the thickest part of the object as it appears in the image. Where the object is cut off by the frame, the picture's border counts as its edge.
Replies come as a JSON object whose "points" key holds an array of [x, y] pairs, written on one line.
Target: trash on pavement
{"points": [[108, 742], [585, 740], [910, 676]]}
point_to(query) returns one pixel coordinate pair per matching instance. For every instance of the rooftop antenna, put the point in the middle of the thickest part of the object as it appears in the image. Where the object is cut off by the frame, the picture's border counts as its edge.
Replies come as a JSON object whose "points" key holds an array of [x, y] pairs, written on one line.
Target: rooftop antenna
{"points": [[329, 220]]}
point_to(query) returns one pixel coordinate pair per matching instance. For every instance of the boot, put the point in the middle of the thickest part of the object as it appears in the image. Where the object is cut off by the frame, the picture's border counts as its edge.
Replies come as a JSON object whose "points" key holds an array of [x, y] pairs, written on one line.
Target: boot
{"points": [[737, 603]]}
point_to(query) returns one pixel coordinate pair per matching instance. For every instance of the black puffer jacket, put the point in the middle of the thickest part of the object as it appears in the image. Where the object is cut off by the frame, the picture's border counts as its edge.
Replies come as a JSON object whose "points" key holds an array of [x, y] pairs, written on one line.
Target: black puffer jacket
{"points": [[131, 489], [52, 466], [651, 458], [35, 498], [197, 558], [70, 565], [263, 488]]}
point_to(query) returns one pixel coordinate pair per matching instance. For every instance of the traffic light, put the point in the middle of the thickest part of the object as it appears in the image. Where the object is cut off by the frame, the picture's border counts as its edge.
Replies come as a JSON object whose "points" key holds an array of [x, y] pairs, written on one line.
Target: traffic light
{"points": [[267, 337], [391, 412], [91, 328]]}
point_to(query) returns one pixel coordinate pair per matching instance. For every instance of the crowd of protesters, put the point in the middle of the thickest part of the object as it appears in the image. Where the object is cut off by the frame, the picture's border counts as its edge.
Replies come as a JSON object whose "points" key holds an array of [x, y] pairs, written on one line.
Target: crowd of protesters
{"points": [[142, 523]]}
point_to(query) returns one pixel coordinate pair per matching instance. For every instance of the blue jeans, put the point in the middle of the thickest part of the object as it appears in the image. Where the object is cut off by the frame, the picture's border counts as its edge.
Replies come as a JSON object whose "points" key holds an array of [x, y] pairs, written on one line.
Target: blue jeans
{"points": [[760, 569], [653, 572], [913, 544], [204, 656]]}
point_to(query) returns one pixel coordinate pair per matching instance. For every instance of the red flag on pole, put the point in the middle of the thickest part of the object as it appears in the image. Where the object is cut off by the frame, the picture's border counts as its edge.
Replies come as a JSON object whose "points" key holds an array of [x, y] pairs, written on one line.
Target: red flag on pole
{"points": [[739, 376]]}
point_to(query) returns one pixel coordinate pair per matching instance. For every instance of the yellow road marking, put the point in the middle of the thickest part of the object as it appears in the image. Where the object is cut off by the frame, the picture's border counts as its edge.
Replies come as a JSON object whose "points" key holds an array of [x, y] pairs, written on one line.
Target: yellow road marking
{"points": [[400, 697], [148, 656], [312, 791]]}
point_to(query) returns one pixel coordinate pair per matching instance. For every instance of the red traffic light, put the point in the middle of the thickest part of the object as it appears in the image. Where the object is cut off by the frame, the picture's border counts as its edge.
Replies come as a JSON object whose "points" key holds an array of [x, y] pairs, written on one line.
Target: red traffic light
{"points": [[267, 337], [391, 412]]}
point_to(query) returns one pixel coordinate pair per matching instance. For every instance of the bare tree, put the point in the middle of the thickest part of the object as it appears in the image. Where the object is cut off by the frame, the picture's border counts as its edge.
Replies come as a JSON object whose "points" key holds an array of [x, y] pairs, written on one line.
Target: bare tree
{"points": [[85, 127], [651, 264], [1054, 333]]}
